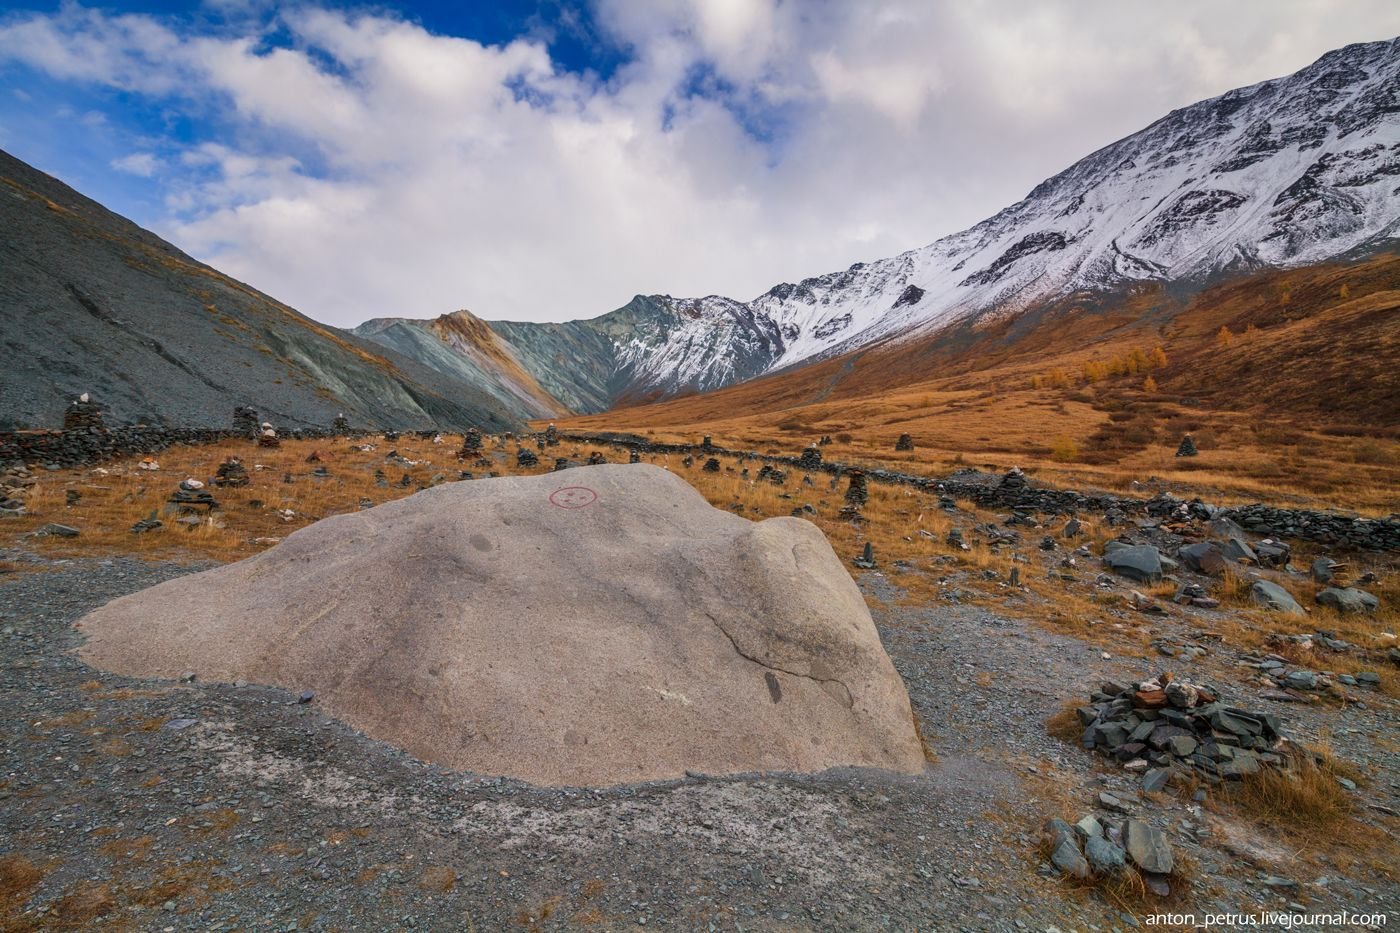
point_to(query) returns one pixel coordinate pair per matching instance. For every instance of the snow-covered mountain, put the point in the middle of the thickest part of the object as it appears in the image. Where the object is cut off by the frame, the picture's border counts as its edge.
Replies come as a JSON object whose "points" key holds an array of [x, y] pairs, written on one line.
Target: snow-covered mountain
{"points": [[1292, 171]]}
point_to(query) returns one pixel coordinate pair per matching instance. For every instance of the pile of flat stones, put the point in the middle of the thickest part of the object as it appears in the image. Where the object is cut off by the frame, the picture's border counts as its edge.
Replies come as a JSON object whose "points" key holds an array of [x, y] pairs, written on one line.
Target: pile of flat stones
{"points": [[83, 415], [191, 494], [1165, 729], [905, 442], [771, 473], [1095, 848], [267, 437], [1015, 478], [1187, 447], [634, 456], [857, 494], [471, 444], [811, 459], [711, 465], [551, 436], [596, 458], [526, 458], [245, 421], [16, 483], [231, 473], [340, 425]]}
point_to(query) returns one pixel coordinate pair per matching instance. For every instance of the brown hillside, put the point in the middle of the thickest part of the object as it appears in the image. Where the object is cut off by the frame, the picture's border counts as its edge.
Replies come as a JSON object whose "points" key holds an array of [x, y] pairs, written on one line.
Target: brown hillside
{"points": [[1289, 381]]}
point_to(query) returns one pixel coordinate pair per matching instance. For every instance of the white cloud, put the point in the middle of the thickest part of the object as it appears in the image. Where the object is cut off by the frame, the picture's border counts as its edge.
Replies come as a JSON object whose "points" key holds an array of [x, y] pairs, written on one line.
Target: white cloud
{"points": [[144, 164], [369, 167]]}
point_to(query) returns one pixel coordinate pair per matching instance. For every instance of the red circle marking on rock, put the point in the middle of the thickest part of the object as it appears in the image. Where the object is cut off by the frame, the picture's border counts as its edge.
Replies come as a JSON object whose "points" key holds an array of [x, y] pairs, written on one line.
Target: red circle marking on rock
{"points": [[573, 497]]}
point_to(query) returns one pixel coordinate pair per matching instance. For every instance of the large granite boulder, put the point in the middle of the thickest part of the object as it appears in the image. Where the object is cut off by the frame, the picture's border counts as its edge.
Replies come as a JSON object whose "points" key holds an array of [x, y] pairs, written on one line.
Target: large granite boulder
{"points": [[598, 628]]}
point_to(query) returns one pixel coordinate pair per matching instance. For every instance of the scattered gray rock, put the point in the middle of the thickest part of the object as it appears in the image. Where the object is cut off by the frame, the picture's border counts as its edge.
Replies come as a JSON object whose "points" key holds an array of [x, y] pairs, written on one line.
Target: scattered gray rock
{"points": [[1348, 599], [1148, 848], [1274, 598], [1142, 563]]}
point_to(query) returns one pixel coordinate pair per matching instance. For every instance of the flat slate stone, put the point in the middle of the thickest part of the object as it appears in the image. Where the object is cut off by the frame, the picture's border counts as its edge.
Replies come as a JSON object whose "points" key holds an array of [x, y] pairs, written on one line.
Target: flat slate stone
{"points": [[1142, 562], [1148, 848], [1274, 598]]}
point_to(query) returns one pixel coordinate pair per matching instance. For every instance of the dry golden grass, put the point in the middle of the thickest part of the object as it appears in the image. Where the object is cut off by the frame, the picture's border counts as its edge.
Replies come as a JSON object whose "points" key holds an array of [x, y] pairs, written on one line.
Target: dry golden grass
{"points": [[1064, 723], [19, 876], [1304, 410], [1304, 798], [906, 527], [117, 495]]}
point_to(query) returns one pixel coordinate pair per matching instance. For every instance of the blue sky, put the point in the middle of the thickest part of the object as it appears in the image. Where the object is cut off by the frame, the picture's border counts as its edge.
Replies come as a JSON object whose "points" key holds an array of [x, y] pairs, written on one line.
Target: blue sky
{"points": [[72, 129], [549, 160]]}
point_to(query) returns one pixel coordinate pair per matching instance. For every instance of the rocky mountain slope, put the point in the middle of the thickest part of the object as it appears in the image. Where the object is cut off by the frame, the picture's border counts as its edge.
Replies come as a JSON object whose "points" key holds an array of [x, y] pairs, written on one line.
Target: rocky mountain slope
{"points": [[653, 347], [1288, 172], [90, 302]]}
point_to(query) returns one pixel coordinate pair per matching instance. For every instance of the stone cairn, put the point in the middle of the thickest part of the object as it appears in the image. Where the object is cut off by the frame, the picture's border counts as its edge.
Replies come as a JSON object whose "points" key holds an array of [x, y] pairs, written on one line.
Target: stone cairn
{"points": [[811, 459], [1015, 478], [1168, 729], [16, 483], [267, 437], [231, 473], [856, 493], [1187, 448], [245, 422], [772, 474], [551, 435], [526, 458], [707, 443], [596, 458], [825, 441], [634, 456], [711, 465], [191, 494], [856, 496], [391, 435], [380, 479], [471, 444], [561, 463], [866, 560], [83, 415], [905, 442]]}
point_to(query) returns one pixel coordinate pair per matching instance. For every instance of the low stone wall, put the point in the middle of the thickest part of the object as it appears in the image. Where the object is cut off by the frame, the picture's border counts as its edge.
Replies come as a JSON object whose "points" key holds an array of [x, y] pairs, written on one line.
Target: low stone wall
{"points": [[1335, 528], [92, 445]]}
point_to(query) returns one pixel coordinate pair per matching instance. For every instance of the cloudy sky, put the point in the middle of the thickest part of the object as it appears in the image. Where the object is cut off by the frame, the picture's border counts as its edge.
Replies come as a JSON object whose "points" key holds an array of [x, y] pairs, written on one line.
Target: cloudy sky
{"points": [[548, 160]]}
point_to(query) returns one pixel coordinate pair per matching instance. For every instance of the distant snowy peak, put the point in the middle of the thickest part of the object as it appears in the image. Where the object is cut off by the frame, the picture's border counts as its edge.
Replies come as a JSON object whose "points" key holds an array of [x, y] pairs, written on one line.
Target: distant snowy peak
{"points": [[1291, 171]]}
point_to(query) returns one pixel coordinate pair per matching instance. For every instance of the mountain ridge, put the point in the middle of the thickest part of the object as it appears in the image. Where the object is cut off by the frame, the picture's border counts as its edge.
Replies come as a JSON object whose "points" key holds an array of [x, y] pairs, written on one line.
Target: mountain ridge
{"points": [[1291, 171]]}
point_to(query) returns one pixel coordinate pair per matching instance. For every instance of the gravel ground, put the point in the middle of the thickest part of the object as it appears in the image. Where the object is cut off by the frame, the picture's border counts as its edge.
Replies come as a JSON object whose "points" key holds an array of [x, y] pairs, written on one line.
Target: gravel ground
{"points": [[166, 806]]}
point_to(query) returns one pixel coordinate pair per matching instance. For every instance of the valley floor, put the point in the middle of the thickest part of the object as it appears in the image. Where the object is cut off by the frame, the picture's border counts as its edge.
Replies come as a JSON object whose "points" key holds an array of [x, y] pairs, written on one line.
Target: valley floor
{"points": [[155, 805], [152, 805]]}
